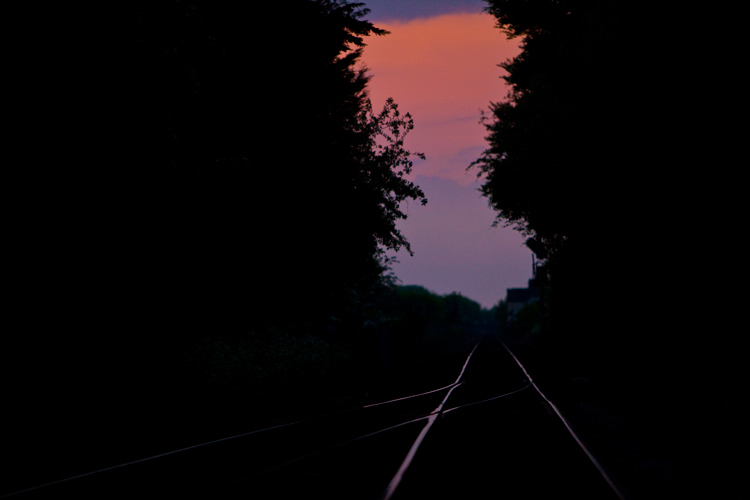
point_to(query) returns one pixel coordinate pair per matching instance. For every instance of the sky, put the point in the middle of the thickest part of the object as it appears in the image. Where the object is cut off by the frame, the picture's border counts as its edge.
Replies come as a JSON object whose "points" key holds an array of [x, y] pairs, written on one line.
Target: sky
{"points": [[440, 64]]}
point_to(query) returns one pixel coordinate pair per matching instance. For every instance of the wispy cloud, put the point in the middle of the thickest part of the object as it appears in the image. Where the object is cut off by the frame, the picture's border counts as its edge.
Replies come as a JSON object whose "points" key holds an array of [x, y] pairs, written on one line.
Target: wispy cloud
{"points": [[444, 71], [389, 10]]}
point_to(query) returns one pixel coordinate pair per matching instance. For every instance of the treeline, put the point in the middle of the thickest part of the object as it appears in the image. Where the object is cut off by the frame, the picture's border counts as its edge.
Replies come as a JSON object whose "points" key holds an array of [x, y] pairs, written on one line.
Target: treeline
{"points": [[419, 313], [205, 165], [617, 172], [190, 170], [614, 158], [420, 337]]}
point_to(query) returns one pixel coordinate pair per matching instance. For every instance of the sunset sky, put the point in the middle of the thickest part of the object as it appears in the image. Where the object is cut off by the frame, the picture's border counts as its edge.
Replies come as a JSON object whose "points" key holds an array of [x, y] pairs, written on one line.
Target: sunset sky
{"points": [[440, 64]]}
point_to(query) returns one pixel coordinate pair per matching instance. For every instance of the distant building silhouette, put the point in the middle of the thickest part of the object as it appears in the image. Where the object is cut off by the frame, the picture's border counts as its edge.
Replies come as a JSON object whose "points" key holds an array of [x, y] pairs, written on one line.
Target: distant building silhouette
{"points": [[518, 298]]}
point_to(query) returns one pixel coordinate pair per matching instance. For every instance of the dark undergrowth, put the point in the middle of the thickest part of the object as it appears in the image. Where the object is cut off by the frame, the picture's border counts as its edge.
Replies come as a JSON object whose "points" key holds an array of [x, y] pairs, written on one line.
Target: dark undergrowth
{"points": [[660, 415], [78, 409]]}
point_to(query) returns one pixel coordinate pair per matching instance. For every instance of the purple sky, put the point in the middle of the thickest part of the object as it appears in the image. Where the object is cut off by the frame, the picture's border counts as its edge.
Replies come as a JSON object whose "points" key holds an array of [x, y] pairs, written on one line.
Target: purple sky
{"points": [[440, 64]]}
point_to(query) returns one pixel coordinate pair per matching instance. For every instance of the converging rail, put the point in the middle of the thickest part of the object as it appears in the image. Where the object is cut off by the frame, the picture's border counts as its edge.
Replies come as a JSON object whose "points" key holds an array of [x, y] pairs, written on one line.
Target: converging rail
{"points": [[323, 449], [607, 477]]}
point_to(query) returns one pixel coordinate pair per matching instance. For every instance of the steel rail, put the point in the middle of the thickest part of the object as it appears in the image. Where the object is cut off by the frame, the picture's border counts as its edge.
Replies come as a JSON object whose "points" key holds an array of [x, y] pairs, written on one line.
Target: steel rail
{"points": [[487, 400], [215, 441], [327, 449], [141, 460], [396, 480], [434, 413], [607, 477], [412, 396]]}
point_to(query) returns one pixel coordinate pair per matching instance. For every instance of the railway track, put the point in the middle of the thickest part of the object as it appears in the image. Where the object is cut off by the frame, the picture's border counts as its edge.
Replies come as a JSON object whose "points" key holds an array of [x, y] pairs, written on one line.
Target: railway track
{"points": [[490, 431]]}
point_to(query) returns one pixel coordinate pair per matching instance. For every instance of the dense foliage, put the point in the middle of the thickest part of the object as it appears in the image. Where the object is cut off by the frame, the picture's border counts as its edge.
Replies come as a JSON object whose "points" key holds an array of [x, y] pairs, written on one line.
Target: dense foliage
{"points": [[213, 164], [612, 155], [600, 154], [198, 171]]}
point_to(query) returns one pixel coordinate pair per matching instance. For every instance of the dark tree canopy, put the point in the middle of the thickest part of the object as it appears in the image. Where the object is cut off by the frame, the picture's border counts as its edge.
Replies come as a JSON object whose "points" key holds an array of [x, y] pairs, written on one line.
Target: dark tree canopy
{"points": [[606, 153], [195, 176], [213, 161], [589, 138], [611, 152]]}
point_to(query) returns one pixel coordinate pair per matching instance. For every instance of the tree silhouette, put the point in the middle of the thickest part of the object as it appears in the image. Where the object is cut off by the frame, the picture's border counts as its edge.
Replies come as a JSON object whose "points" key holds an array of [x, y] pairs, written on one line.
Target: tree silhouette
{"points": [[327, 194], [595, 153], [206, 166], [220, 163], [604, 153]]}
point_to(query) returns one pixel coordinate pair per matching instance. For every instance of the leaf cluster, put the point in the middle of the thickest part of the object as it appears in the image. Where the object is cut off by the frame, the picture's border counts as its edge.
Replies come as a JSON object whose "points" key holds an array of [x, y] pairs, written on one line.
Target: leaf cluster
{"points": [[223, 152], [594, 139], [605, 153], [386, 169]]}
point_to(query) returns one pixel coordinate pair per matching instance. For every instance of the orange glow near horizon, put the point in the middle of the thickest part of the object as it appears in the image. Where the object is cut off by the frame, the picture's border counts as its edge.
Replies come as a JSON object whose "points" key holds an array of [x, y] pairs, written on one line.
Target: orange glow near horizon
{"points": [[443, 71]]}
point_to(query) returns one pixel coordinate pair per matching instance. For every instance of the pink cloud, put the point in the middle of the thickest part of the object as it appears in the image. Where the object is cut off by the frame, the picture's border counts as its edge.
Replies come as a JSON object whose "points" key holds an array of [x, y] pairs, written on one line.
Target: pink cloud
{"points": [[443, 70]]}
